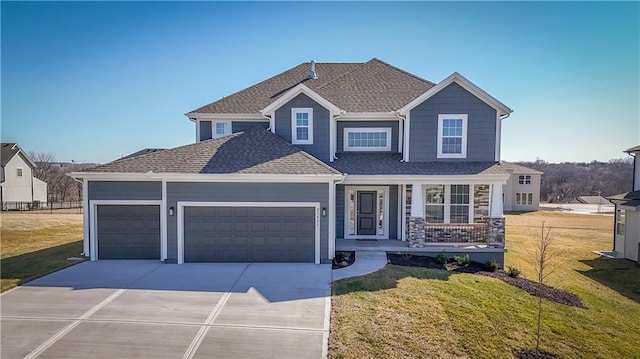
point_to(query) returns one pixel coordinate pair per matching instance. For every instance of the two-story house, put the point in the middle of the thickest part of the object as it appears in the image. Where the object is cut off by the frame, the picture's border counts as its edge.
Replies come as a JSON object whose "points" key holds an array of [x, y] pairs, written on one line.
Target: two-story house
{"points": [[19, 189], [321, 153]]}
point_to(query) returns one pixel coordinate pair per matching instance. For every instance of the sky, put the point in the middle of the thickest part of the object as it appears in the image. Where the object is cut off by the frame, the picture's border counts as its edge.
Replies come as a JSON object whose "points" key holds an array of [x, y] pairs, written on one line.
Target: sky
{"points": [[93, 81]]}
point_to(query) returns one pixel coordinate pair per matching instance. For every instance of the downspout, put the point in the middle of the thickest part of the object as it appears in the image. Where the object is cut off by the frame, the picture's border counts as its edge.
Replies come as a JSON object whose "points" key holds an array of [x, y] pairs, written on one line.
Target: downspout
{"points": [[85, 214], [272, 126], [334, 150], [402, 120]]}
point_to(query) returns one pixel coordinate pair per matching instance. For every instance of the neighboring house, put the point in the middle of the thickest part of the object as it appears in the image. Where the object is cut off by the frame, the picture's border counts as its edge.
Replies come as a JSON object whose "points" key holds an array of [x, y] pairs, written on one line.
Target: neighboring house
{"points": [[522, 191], [626, 233], [320, 153], [19, 189]]}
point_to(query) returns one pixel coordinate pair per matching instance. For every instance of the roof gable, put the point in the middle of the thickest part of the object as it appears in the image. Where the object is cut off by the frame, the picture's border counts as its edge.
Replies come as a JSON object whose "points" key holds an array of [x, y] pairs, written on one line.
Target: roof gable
{"points": [[464, 83], [10, 150], [255, 151], [373, 86], [289, 95]]}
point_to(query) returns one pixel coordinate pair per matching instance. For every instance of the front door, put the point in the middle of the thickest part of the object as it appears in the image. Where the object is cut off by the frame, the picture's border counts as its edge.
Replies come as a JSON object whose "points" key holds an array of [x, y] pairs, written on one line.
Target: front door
{"points": [[366, 213]]}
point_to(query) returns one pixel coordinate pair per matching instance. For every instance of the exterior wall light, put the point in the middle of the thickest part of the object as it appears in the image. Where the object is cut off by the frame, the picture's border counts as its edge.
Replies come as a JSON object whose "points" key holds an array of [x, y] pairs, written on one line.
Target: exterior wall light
{"points": [[171, 211], [324, 211]]}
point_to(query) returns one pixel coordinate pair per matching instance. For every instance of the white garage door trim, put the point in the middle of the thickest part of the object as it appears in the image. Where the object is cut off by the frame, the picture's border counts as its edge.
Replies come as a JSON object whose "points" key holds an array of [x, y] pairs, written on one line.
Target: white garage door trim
{"points": [[181, 206], [93, 234]]}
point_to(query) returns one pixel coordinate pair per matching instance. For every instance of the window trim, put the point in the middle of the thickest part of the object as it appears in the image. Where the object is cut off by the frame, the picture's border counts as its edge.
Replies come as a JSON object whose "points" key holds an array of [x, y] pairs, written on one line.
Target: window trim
{"points": [[345, 139], [441, 118], [19, 172], [228, 128], [447, 203], [524, 179], [294, 127], [621, 221], [523, 199]]}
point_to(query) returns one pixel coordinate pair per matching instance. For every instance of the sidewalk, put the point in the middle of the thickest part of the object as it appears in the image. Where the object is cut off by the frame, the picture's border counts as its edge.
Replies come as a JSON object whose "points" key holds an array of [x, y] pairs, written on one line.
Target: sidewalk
{"points": [[366, 262]]}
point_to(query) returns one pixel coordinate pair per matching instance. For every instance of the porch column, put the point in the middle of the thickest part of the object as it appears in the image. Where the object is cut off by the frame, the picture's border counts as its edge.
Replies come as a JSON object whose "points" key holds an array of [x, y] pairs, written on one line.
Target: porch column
{"points": [[416, 220], [496, 217]]}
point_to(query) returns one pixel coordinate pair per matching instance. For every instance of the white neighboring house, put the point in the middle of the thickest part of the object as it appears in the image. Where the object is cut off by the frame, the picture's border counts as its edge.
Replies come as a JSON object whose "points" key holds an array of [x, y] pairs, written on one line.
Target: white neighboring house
{"points": [[18, 188], [626, 233], [522, 191]]}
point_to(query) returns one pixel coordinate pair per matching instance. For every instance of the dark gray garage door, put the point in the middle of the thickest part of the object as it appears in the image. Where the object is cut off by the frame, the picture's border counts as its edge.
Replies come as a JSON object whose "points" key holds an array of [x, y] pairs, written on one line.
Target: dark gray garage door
{"points": [[128, 232], [249, 234]]}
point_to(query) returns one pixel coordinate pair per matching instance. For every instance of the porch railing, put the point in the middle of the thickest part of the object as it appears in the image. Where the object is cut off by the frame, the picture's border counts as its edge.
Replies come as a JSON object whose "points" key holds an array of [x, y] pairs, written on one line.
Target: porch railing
{"points": [[456, 233]]}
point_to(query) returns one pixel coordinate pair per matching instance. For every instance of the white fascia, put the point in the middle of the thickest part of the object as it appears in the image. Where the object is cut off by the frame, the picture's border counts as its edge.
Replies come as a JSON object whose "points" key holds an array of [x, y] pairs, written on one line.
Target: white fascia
{"points": [[195, 116], [197, 177], [501, 108], [369, 116], [301, 88], [411, 179]]}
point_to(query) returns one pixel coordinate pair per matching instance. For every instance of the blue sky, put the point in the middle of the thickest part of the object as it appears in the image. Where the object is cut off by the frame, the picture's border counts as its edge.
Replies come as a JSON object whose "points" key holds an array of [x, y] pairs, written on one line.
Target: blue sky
{"points": [[91, 82]]}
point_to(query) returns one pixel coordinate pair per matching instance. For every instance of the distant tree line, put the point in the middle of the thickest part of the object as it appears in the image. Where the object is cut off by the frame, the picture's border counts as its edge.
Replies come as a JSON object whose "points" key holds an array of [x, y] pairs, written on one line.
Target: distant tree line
{"points": [[564, 182], [60, 187]]}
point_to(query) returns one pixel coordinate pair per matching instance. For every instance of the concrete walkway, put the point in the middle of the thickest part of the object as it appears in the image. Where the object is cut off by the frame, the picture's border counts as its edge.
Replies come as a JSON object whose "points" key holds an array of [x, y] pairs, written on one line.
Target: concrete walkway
{"points": [[366, 262]]}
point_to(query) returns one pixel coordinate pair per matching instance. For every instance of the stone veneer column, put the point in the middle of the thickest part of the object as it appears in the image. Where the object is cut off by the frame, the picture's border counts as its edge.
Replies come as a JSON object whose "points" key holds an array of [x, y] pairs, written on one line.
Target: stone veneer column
{"points": [[416, 219], [496, 220]]}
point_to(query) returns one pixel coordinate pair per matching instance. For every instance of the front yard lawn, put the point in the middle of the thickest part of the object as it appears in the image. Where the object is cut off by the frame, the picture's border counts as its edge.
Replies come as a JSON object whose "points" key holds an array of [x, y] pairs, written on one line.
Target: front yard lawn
{"points": [[412, 312], [35, 244]]}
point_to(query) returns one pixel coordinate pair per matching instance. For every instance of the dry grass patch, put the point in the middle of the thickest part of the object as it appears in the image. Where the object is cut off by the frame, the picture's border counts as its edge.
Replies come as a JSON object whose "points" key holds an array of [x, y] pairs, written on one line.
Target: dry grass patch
{"points": [[35, 244], [409, 312]]}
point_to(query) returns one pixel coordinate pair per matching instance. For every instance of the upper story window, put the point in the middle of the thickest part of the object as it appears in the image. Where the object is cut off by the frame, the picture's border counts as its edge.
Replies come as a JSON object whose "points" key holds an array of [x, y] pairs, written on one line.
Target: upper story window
{"points": [[452, 136], [367, 139], [302, 126], [524, 179], [18, 172], [220, 128]]}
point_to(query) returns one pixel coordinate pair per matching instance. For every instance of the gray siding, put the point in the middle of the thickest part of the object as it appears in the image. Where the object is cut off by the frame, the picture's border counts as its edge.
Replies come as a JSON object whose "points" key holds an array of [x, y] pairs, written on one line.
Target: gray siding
{"points": [[340, 211], [246, 192], [320, 146], [206, 131], [120, 190], [238, 126], [393, 212], [453, 99], [346, 124]]}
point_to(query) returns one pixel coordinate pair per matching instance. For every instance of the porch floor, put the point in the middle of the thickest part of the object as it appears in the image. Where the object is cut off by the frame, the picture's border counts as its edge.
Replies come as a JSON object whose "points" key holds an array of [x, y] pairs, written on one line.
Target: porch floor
{"points": [[394, 245]]}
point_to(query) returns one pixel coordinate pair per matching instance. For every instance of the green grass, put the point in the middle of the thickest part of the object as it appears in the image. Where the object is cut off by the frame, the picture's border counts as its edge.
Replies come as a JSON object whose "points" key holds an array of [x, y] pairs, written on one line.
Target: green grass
{"points": [[406, 312], [35, 244]]}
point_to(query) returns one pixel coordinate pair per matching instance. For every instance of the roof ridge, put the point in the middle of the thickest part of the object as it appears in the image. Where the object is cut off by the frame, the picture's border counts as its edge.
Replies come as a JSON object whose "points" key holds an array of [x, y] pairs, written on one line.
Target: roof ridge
{"points": [[403, 71], [360, 65]]}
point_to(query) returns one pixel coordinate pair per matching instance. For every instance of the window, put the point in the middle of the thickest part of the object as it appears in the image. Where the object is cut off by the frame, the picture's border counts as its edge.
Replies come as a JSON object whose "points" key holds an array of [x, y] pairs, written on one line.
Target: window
{"points": [[302, 126], [452, 136], [18, 172], [620, 222], [524, 179], [220, 128], [524, 199], [367, 139], [447, 204], [434, 204]]}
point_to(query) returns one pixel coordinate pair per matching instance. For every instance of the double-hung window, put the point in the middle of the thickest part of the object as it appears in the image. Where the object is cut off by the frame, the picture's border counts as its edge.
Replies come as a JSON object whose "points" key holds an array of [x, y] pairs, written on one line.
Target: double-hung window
{"points": [[220, 128], [447, 203], [302, 126], [367, 139], [524, 179], [620, 222], [524, 199], [18, 172], [452, 136]]}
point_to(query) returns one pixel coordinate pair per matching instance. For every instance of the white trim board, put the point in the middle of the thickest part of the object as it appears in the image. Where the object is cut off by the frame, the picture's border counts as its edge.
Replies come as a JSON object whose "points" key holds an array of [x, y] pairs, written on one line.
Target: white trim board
{"points": [[93, 230], [182, 204], [378, 189], [301, 88]]}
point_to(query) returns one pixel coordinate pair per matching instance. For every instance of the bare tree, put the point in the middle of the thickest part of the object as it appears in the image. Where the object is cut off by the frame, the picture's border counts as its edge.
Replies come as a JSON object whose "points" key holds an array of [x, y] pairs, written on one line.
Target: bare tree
{"points": [[544, 255], [44, 162]]}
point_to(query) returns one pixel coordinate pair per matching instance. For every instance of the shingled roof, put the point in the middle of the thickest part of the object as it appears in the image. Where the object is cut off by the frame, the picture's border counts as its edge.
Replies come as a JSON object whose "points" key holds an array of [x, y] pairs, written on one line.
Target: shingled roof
{"points": [[372, 86], [390, 164], [254, 151], [9, 150]]}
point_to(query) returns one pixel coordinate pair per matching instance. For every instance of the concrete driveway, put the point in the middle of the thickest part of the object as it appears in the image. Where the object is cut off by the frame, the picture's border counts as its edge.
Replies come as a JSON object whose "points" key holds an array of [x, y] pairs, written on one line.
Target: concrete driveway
{"points": [[147, 309]]}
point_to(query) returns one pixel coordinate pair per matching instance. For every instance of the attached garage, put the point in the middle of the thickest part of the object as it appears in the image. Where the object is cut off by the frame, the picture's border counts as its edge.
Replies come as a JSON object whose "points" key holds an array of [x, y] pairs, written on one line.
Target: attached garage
{"points": [[127, 231], [249, 233]]}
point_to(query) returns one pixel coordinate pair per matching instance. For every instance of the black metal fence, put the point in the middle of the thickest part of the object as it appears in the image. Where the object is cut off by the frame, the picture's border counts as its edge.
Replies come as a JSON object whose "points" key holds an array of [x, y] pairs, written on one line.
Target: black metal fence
{"points": [[41, 206]]}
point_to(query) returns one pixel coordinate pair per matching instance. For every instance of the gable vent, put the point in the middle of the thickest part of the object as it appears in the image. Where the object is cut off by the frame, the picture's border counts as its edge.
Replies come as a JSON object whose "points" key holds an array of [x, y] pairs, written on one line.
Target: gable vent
{"points": [[312, 74]]}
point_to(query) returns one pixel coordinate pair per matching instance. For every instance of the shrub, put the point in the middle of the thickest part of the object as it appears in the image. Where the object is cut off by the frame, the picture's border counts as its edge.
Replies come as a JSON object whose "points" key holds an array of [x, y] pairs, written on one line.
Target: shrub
{"points": [[441, 258], [513, 272], [462, 260], [491, 265]]}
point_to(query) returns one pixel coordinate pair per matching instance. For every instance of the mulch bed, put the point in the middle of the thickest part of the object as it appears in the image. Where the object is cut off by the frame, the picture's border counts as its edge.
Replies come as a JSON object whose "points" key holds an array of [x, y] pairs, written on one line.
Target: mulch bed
{"points": [[533, 288], [343, 259]]}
